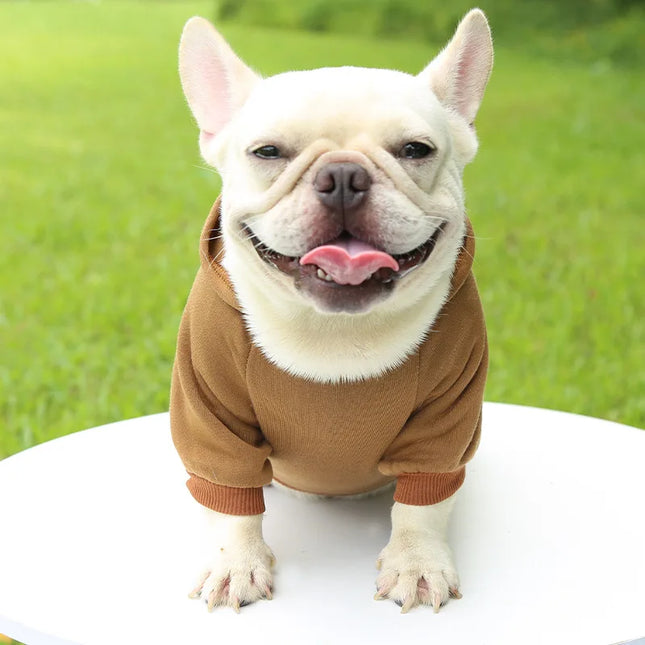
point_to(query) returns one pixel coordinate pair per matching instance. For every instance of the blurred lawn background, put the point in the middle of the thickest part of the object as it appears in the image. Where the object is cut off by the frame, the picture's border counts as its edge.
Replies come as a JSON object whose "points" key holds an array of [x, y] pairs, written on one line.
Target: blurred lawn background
{"points": [[103, 194]]}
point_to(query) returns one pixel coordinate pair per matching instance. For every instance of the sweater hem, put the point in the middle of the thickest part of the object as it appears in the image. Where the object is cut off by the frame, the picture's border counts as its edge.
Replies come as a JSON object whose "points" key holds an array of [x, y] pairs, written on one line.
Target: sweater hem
{"points": [[368, 492]]}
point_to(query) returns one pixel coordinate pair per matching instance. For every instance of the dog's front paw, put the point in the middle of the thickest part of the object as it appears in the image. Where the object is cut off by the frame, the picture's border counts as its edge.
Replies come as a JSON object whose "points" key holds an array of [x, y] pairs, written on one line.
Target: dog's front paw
{"points": [[237, 577], [416, 568]]}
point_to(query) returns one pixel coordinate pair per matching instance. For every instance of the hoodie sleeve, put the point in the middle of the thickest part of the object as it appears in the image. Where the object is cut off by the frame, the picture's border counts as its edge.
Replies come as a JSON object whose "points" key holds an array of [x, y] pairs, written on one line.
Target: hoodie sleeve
{"points": [[429, 454], [213, 425]]}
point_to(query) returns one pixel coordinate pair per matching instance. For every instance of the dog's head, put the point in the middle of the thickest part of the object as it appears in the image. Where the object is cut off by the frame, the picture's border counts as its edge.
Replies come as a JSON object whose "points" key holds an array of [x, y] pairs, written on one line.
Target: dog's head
{"points": [[341, 186]]}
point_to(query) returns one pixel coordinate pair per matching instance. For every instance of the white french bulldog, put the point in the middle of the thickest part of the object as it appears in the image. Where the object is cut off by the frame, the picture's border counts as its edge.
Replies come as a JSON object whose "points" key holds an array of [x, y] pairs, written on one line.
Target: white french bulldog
{"points": [[342, 217]]}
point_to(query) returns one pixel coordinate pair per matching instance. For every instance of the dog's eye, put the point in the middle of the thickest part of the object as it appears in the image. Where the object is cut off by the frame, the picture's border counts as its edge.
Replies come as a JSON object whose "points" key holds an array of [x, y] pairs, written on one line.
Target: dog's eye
{"points": [[267, 152], [416, 150]]}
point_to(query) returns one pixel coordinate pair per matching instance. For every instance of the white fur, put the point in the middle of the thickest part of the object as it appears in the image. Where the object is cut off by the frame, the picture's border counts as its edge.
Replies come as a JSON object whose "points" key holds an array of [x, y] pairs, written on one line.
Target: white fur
{"points": [[416, 566], [239, 567], [317, 117]]}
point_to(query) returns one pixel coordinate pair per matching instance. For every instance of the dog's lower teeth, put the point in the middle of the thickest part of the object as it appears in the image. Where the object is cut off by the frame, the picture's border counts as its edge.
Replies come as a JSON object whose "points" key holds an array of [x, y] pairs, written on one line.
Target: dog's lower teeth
{"points": [[324, 276]]}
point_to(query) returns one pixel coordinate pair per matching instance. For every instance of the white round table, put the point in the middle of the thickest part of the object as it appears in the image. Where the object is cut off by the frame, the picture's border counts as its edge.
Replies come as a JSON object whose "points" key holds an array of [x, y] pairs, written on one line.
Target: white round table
{"points": [[98, 545]]}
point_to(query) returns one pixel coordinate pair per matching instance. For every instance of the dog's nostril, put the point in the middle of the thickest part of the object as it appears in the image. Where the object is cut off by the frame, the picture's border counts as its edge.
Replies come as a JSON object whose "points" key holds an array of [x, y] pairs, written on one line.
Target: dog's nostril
{"points": [[359, 179], [342, 185], [325, 181]]}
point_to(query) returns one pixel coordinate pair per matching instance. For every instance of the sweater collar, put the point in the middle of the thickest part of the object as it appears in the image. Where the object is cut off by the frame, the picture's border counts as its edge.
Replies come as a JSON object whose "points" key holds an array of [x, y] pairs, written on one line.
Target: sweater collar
{"points": [[212, 250], [464, 264]]}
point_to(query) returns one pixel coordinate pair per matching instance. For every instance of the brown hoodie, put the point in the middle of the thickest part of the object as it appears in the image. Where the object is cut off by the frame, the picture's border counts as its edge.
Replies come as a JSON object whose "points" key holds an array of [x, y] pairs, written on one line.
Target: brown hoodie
{"points": [[238, 421]]}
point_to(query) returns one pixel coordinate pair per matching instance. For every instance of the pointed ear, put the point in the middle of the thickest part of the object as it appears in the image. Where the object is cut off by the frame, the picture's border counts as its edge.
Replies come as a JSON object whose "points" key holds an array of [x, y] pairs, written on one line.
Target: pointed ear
{"points": [[215, 81], [459, 74]]}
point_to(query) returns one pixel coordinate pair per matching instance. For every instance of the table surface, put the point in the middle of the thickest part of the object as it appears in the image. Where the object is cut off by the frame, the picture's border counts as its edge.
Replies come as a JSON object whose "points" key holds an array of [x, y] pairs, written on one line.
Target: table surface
{"points": [[99, 545]]}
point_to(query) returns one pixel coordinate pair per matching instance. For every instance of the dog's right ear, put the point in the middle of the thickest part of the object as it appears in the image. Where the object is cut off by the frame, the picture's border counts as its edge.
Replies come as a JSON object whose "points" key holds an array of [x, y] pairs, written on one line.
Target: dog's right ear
{"points": [[215, 81]]}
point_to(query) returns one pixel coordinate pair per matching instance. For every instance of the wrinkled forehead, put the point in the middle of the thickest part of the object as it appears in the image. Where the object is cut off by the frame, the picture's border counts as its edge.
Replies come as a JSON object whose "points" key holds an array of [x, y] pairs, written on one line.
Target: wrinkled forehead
{"points": [[341, 103]]}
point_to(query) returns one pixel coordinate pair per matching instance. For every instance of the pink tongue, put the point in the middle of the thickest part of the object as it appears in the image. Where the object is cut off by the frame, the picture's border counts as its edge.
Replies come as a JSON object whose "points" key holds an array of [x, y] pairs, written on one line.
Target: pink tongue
{"points": [[349, 261]]}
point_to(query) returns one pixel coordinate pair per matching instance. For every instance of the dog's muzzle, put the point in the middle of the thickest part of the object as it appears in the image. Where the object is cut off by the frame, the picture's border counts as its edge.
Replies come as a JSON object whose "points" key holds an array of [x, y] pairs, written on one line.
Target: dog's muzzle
{"points": [[345, 273]]}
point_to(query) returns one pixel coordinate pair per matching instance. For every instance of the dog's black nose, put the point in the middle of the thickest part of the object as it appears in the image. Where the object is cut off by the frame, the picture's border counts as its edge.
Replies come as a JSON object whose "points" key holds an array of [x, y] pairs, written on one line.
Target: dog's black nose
{"points": [[342, 186]]}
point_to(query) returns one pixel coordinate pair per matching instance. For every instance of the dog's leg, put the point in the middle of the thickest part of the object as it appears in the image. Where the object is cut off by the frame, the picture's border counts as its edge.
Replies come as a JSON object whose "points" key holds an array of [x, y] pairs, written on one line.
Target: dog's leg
{"points": [[416, 566], [239, 571]]}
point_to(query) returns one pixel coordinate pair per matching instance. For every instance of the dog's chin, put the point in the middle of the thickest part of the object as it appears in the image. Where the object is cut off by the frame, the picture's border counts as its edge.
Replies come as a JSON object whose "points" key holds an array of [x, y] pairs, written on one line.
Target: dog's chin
{"points": [[328, 296]]}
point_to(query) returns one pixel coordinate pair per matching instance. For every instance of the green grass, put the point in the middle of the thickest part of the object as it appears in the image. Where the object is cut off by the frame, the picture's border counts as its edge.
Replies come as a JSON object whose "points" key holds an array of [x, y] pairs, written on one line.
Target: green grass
{"points": [[578, 29], [102, 198]]}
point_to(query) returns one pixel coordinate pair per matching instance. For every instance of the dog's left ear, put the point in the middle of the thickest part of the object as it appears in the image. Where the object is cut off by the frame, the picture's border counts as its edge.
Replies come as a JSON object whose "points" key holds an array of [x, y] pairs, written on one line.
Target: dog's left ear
{"points": [[459, 74]]}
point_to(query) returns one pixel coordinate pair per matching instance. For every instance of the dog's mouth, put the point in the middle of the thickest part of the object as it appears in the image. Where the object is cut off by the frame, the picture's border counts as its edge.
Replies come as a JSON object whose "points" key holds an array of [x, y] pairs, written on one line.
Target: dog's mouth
{"points": [[346, 274]]}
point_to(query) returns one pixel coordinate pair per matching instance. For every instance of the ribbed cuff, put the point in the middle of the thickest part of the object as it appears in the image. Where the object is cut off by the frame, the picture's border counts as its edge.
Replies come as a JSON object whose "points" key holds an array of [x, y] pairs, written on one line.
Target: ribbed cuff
{"points": [[226, 499], [422, 489]]}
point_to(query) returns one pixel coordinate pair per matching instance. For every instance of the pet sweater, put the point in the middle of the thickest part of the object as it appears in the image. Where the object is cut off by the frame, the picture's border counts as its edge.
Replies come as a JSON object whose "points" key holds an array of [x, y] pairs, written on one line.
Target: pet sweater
{"points": [[238, 421]]}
